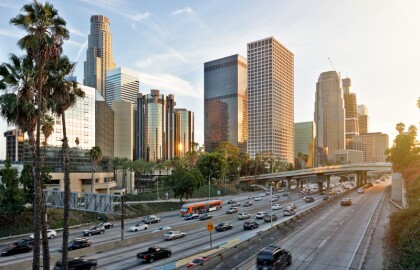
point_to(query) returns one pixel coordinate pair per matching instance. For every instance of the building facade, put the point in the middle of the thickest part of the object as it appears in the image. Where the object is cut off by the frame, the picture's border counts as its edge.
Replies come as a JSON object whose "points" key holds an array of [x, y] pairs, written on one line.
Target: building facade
{"points": [[362, 112], [99, 57], [270, 100], [346, 156], [305, 140], [104, 126], [184, 131], [14, 144], [350, 104], [373, 146], [329, 116], [123, 129], [225, 102], [122, 84], [155, 131]]}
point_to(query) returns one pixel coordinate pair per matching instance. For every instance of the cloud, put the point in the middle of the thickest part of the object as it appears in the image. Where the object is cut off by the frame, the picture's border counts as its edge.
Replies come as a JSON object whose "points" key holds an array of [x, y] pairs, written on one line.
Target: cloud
{"points": [[82, 47], [6, 5], [186, 10], [9, 33], [138, 16], [75, 43], [76, 32], [171, 83]]}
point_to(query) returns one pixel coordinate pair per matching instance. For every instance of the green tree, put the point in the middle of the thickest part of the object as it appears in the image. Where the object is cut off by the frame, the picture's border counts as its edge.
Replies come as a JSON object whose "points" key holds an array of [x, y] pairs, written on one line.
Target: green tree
{"points": [[184, 182], [11, 199], [400, 127], [27, 181], [95, 154], [45, 32], [212, 164], [116, 161], [231, 155], [139, 167], [63, 96], [125, 165]]}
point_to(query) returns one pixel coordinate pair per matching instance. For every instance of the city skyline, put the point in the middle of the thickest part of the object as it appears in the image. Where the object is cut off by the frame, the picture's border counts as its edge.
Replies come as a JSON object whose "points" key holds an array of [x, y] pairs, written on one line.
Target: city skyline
{"points": [[168, 44]]}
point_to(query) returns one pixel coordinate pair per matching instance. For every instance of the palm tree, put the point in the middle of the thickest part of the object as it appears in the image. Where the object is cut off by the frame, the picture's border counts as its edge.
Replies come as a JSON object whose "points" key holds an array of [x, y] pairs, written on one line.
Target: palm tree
{"points": [[139, 167], [418, 102], [45, 32], [116, 161], [125, 165], [95, 155], [400, 127], [64, 95]]}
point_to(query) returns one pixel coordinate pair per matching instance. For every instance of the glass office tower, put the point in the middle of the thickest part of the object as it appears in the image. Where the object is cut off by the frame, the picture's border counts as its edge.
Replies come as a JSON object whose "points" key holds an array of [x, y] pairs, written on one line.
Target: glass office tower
{"points": [[184, 131]]}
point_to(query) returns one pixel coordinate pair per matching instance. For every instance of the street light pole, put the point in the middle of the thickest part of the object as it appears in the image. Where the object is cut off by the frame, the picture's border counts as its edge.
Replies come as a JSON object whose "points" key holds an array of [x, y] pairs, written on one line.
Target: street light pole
{"points": [[209, 180], [271, 200]]}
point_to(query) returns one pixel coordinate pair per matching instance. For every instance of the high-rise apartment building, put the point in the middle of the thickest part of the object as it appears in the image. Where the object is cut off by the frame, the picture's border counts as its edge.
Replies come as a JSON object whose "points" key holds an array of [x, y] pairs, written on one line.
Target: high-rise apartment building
{"points": [[305, 140], [329, 116], [184, 131], [154, 128], [99, 57], [225, 102], [373, 146], [270, 100], [350, 104], [14, 144], [362, 111], [122, 84]]}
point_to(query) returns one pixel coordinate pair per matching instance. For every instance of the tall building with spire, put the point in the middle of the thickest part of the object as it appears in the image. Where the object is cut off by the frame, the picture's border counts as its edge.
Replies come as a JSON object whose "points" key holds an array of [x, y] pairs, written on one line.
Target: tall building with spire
{"points": [[330, 115], [270, 100], [99, 57], [350, 104]]}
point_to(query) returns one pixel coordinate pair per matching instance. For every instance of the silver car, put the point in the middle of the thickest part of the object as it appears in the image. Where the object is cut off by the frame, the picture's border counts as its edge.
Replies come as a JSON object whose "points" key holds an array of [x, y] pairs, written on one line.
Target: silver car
{"points": [[171, 235]]}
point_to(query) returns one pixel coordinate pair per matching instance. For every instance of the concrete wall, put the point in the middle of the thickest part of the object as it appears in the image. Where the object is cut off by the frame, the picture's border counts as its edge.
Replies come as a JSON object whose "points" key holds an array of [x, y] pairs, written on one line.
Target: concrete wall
{"points": [[396, 190]]}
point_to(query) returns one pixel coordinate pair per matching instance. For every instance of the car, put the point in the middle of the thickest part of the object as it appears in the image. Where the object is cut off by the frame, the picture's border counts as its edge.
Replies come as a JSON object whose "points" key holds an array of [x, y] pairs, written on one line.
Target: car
{"points": [[107, 225], [223, 227], [346, 202], [291, 206], [78, 264], [28, 240], [377, 181], [138, 227], [154, 253], [326, 198], [322, 193], [231, 201], [232, 210], [78, 243], [248, 203], [171, 235], [274, 199], [277, 206], [205, 217], [162, 229], [289, 212], [94, 230], [236, 204], [269, 217], [243, 216], [196, 261], [360, 191], [257, 198], [273, 257], [331, 192], [338, 192], [50, 234], [286, 194], [250, 225], [262, 195], [191, 216], [370, 184], [21, 247], [260, 215], [309, 199], [251, 197], [151, 219]]}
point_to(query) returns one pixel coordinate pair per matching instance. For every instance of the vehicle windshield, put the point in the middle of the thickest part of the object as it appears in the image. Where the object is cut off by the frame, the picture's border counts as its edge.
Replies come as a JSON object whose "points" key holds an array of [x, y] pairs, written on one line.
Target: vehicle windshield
{"points": [[183, 209], [198, 260], [265, 259]]}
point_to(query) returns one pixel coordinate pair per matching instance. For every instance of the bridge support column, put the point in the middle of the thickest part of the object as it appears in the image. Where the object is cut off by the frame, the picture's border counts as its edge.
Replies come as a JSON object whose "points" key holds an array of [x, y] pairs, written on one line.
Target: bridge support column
{"points": [[365, 177], [298, 183], [359, 179], [289, 183], [320, 186], [328, 181]]}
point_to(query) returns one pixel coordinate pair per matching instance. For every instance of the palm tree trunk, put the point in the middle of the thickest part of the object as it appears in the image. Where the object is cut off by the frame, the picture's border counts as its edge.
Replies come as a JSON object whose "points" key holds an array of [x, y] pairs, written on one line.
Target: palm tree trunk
{"points": [[92, 183], [45, 247], [66, 162]]}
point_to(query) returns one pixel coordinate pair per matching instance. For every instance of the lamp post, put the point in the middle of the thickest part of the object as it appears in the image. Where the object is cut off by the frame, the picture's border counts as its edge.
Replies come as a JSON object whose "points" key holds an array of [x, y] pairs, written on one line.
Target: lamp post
{"points": [[209, 180], [271, 200]]}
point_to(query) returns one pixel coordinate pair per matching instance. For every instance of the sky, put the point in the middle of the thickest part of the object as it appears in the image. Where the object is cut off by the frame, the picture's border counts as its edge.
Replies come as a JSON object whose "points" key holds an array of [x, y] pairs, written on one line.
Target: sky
{"points": [[376, 43]]}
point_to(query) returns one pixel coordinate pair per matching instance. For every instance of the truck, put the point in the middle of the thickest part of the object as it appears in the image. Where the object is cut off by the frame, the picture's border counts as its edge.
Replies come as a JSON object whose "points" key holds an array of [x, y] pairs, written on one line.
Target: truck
{"points": [[154, 253]]}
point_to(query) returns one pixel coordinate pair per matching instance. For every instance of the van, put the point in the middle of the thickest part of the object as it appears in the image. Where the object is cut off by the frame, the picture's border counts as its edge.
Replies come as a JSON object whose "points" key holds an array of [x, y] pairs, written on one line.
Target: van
{"points": [[273, 257]]}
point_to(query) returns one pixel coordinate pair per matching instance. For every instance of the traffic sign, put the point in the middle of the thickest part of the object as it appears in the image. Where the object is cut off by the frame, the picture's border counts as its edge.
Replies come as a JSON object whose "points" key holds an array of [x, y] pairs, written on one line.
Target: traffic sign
{"points": [[210, 227]]}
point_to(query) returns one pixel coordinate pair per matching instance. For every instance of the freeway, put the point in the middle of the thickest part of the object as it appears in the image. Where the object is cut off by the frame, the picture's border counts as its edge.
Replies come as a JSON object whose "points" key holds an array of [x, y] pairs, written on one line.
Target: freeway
{"points": [[332, 240], [183, 247]]}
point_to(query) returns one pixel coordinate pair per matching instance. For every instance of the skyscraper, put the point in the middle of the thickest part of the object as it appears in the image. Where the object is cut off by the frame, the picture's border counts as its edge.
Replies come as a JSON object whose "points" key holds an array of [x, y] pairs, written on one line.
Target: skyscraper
{"points": [[350, 104], [225, 102], [99, 58], [305, 140], [362, 111], [270, 100], [329, 116], [14, 144], [184, 131], [122, 84], [373, 146], [154, 134]]}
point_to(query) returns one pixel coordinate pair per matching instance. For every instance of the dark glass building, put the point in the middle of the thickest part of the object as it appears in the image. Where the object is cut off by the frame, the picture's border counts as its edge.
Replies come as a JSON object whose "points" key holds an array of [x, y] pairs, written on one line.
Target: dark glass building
{"points": [[225, 102], [14, 144]]}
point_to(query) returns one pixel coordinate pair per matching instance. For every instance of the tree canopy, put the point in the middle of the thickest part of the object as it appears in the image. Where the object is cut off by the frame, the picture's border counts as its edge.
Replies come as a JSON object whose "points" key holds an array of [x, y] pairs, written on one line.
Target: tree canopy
{"points": [[184, 182]]}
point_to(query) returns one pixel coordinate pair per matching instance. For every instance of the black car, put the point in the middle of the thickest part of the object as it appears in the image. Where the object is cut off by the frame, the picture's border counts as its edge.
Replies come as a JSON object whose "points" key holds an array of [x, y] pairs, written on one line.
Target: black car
{"points": [[309, 199], [78, 243], [273, 257], [205, 217], [326, 198], [223, 227], [107, 225], [191, 216], [151, 219], [94, 230], [250, 225], [17, 249], [231, 201], [78, 264]]}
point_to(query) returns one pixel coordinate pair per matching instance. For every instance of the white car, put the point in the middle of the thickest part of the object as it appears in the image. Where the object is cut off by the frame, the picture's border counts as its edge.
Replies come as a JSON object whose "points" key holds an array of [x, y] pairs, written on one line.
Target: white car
{"points": [[260, 215], [262, 194], [243, 216], [257, 199], [138, 227], [50, 234], [277, 206], [162, 229], [173, 235], [360, 190]]}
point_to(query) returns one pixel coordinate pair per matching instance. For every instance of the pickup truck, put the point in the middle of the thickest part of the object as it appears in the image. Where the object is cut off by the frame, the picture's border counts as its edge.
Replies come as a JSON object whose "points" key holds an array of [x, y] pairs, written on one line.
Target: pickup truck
{"points": [[154, 253]]}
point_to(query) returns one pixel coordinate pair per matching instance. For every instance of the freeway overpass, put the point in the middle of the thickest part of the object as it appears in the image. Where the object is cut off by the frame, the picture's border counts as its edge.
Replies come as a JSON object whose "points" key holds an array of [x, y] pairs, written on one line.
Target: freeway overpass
{"points": [[319, 174]]}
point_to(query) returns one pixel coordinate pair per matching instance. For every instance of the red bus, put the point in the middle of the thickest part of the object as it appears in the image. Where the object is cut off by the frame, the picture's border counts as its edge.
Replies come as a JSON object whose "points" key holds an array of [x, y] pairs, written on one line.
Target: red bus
{"points": [[201, 207]]}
